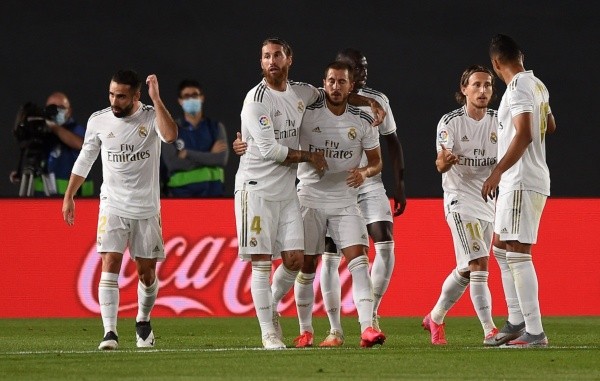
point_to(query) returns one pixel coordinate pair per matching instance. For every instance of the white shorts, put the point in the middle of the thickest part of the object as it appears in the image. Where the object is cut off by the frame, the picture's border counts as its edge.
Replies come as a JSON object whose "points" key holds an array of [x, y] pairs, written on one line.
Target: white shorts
{"points": [[143, 237], [345, 226], [472, 238], [518, 215], [267, 227], [375, 206]]}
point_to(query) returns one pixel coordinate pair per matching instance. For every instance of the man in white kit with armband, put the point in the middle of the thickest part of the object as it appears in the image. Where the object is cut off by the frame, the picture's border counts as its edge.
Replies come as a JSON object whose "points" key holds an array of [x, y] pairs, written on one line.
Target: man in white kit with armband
{"points": [[128, 135]]}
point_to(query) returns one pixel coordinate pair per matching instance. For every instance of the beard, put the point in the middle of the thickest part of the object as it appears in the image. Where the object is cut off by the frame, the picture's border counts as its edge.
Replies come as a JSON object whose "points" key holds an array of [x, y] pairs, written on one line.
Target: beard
{"points": [[277, 78], [338, 100], [122, 112]]}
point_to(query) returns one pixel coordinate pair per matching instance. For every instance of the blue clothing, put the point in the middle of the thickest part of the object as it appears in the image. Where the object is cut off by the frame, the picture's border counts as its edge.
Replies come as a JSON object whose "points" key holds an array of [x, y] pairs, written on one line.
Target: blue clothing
{"points": [[60, 161], [201, 173]]}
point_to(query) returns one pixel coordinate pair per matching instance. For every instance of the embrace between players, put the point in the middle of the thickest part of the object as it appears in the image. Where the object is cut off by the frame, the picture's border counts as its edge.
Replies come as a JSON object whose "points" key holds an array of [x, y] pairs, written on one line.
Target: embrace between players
{"points": [[328, 139]]}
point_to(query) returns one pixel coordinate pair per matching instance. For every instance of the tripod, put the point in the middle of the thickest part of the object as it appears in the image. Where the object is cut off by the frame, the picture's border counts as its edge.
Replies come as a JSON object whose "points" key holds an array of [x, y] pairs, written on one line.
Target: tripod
{"points": [[31, 169], [28, 180]]}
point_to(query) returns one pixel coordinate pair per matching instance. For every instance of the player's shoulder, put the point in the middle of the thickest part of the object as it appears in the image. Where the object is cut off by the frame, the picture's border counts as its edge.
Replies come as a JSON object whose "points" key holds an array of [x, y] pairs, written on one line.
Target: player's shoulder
{"points": [[100, 114], [259, 93], [492, 113], [359, 114], [372, 93], [298, 84], [453, 116]]}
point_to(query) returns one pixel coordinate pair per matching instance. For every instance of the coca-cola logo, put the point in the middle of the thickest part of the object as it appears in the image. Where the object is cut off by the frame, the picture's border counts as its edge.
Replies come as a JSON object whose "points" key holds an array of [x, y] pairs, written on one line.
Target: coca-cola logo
{"points": [[202, 278]]}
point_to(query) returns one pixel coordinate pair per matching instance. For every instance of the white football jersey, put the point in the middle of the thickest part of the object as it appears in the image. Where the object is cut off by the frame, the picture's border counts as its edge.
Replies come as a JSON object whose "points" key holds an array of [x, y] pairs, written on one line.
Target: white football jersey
{"points": [[474, 142], [270, 124], [342, 139], [525, 93], [387, 127], [130, 149]]}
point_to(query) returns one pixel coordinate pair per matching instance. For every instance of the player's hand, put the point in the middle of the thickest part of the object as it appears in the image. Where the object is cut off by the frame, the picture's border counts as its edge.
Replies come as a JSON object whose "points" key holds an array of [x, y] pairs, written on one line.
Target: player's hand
{"points": [[448, 156], [399, 199], [317, 160], [152, 83], [68, 211], [490, 186], [378, 113], [356, 177], [239, 146]]}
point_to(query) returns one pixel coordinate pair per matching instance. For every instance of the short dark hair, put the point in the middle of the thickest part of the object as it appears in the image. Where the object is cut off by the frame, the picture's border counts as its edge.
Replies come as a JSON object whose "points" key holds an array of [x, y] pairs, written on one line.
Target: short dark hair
{"points": [[128, 77], [351, 55], [341, 65], [188, 83], [287, 48], [505, 49], [464, 81]]}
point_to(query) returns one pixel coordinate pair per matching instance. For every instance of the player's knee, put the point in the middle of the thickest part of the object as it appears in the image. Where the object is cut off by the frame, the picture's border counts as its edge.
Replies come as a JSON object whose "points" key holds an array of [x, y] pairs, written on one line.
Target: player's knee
{"points": [[309, 266], [293, 260]]}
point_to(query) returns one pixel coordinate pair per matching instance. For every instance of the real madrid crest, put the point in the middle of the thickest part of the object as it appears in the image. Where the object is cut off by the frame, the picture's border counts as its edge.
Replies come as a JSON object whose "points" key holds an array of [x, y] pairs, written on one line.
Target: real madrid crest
{"points": [[493, 138], [300, 106], [142, 131], [476, 246], [352, 133], [253, 242]]}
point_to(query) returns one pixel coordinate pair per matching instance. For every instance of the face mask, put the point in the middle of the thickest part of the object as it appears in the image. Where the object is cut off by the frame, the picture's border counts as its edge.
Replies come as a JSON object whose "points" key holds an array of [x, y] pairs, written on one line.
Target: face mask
{"points": [[61, 116], [192, 106]]}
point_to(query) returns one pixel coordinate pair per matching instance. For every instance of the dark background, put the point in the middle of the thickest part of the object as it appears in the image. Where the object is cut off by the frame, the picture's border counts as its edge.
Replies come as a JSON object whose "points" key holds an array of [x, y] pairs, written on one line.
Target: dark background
{"points": [[416, 53]]}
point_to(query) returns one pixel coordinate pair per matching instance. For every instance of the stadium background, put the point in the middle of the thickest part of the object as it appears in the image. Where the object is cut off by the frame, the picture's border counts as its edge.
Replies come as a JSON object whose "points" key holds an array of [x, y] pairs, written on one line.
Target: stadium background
{"points": [[416, 53]]}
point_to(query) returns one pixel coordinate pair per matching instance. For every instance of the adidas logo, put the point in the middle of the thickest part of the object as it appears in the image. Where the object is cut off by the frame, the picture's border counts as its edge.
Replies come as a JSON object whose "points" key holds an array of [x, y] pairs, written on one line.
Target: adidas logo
{"points": [[464, 139], [316, 129], [110, 135], [504, 230], [277, 113], [155, 249]]}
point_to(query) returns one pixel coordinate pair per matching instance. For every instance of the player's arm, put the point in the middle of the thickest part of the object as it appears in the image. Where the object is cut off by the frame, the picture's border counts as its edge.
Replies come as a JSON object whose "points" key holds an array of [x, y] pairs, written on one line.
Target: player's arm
{"points": [[397, 158], [315, 159], [376, 108], [166, 124], [68, 208], [374, 165], [523, 137], [551, 124]]}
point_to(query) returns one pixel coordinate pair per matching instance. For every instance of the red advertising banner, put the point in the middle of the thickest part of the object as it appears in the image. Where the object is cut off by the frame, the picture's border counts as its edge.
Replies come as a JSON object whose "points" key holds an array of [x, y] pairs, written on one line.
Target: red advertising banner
{"points": [[52, 270]]}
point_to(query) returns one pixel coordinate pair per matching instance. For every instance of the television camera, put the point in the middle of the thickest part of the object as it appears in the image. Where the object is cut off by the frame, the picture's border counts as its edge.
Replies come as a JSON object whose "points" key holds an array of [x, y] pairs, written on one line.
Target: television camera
{"points": [[35, 140]]}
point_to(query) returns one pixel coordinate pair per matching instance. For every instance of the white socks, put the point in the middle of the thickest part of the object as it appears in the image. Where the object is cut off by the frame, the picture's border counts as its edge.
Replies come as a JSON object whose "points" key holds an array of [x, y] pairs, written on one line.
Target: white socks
{"points": [[146, 299], [382, 269], [108, 298], [482, 299], [305, 298], [526, 285], [331, 289], [515, 316], [452, 289], [283, 281], [362, 290], [261, 295]]}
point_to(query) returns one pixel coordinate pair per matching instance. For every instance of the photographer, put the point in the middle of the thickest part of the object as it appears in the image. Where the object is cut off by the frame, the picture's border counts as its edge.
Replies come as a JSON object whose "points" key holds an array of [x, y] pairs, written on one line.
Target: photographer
{"points": [[61, 148]]}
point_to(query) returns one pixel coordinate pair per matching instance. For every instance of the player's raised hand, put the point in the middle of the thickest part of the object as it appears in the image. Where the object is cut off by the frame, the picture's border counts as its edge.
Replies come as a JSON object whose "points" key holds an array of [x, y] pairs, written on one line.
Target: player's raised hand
{"points": [[152, 83]]}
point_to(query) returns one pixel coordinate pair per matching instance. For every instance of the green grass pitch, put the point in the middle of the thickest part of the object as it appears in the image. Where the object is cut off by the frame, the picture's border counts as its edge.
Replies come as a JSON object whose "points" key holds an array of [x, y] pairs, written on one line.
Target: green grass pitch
{"points": [[230, 349]]}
